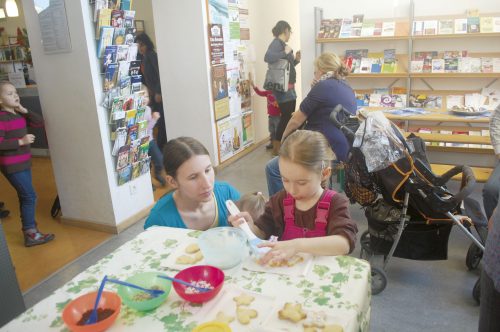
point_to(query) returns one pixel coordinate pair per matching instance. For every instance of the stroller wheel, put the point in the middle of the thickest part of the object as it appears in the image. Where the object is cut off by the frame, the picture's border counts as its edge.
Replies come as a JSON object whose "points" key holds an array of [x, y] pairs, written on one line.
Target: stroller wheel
{"points": [[379, 280], [474, 255], [476, 291], [364, 240]]}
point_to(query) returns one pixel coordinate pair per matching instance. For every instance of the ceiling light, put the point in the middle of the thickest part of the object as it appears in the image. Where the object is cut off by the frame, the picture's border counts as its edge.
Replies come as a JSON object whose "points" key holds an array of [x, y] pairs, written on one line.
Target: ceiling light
{"points": [[11, 8]]}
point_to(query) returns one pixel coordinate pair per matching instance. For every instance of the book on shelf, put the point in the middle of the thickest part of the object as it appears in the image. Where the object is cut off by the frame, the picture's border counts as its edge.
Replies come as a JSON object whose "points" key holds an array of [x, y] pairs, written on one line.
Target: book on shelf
{"points": [[418, 28], [486, 24], [110, 76], [129, 102], [362, 100], [464, 65], [475, 65], [141, 114], [473, 25], [124, 175], [365, 66], [130, 36], [128, 18], [388, 28], [426, 57], [134, 68], [145, 165], [142, 128], [133, 156], [121, 53], [367, 29], [135, 83], [376, 61], [324, 28], [330, 28], [451, 61], [117, 18], [390, 62], [496, 65], [345, 30], [438, 65], [119, 36], [132, 133], [123, 154], [402, 28], [375, 99], [144, 148], [125, 85], [430, 27], [98, 5], [119, 136], [496, 24], [460, 25], [416, 66], [136, 170], [353, 59], [123, 69], [445, 27], [126, 4], [114, 4], [377, 29], [132, 51], [109, 57], [356, 25], [103, 20], [486, 65], [130, 117], [105, 39]]}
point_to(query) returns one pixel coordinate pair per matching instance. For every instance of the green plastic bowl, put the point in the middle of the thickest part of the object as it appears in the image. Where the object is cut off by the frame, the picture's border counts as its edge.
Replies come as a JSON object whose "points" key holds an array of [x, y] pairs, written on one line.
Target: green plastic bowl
{"points": [[146, 280]]}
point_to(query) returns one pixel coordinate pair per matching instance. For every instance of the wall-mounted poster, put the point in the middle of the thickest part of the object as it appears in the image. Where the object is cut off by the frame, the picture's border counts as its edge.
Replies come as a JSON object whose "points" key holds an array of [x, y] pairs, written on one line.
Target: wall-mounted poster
{"points": [[219, 92], [216, 44], [225, 134], [247, 135], [217, 11], [234, 21]]}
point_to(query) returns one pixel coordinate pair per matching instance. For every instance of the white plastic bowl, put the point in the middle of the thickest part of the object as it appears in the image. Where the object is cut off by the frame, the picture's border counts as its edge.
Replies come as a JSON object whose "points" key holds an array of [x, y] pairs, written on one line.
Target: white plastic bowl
{"points": [[223, 247]]}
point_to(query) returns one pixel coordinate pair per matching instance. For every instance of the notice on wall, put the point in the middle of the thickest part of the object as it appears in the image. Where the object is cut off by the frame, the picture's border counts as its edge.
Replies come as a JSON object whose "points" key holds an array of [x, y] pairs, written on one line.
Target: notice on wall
{"points": [[216, 43], [219, 92], [53, 26]]}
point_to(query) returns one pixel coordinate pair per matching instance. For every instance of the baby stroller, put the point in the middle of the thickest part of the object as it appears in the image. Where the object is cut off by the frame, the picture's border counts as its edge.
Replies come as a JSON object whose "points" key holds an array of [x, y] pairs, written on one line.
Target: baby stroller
{"points": [[410, 211]]}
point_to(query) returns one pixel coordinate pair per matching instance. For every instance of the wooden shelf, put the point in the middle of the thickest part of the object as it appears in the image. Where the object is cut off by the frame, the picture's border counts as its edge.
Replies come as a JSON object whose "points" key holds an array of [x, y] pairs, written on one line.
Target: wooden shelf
{"points": [[358, 39], [463, 139], [457, 35], [378, 75], [454, 75]]}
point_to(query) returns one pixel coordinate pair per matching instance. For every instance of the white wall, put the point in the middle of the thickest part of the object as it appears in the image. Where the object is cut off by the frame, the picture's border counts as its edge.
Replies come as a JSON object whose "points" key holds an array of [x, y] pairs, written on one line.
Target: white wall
{"points": [[394, 9], [184, 70], [70, 89], [144, 11]]}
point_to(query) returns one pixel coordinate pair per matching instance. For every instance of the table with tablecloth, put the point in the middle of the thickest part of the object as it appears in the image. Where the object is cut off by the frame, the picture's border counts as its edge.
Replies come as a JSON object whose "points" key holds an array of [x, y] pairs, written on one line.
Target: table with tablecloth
{"points": [[338, 286]]}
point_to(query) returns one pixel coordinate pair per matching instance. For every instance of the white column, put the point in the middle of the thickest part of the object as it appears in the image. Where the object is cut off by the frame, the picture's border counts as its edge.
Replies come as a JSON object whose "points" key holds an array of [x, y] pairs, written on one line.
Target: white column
{"points": [[70, 88]]}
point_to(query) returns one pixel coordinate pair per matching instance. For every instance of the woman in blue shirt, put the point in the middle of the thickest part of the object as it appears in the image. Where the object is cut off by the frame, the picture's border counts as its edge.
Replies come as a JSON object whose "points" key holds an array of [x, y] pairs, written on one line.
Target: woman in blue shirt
{"points": [[197, 202]]}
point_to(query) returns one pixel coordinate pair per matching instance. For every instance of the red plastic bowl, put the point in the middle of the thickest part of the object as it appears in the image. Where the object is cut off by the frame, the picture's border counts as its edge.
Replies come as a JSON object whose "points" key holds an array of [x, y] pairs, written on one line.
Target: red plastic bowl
{"points": [[74, 310], [208, 273]]}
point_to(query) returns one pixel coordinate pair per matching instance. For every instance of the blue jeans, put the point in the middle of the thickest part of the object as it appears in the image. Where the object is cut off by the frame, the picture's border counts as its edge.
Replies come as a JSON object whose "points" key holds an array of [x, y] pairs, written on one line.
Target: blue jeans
{"points": [[156, 156], [21, 181], [273, 176], [491, 191]]}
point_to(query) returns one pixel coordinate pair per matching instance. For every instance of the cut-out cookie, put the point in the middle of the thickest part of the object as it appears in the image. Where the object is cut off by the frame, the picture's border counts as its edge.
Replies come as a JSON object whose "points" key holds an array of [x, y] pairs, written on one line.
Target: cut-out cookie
{"points": [[244, 315], [292, 312], [198, 256], [289, 262], [222, 317], [185, 259], [243, 299], [192, 248], [333, 328], [315, 319]]}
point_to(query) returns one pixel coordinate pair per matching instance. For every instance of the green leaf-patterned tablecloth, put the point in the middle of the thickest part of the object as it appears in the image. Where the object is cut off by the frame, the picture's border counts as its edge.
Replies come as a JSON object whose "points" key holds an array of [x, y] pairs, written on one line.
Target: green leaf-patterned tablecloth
{"points": [[336, 285]]}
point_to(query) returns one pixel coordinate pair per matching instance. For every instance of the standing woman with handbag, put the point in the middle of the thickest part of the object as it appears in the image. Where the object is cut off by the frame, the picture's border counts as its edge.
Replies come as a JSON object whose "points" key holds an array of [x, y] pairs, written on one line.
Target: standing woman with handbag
{"points": [[278, 49]]}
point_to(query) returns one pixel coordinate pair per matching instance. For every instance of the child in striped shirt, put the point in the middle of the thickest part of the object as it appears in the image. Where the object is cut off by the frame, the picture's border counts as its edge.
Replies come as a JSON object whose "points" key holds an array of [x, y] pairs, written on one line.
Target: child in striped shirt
{"points": [[15, 158]]}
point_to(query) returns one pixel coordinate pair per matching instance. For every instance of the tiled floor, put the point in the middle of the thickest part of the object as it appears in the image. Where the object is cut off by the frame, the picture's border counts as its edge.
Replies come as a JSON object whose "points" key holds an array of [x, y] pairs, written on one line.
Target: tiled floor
{"points": [[420, 296]]}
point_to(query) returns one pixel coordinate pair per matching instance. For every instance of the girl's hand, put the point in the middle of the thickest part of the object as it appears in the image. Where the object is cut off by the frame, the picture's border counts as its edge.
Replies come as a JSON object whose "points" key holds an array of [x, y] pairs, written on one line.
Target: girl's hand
{"points": [[27, 139], [21, 109], [237, 219], [280, 251], [156, 116]]}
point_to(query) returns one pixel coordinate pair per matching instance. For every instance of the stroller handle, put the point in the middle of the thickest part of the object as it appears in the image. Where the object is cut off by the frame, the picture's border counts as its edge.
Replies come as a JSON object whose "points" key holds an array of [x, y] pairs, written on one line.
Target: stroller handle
{"points": [[468, 181], [338, 112]]}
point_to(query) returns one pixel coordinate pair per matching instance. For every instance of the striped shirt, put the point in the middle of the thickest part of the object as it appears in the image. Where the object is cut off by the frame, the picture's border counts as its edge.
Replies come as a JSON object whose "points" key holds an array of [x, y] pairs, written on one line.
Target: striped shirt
{"points": [[13, 127]]}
